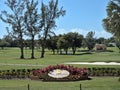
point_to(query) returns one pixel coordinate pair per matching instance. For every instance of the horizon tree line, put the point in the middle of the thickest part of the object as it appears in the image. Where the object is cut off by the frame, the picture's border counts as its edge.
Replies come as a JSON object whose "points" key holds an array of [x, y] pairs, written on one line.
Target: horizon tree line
{"points": [[62, 43]]}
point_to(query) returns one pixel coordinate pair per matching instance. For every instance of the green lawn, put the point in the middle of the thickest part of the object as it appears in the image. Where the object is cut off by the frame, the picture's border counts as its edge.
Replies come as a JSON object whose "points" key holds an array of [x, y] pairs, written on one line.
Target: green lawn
{"points": [[11, 56], [106, 83]]}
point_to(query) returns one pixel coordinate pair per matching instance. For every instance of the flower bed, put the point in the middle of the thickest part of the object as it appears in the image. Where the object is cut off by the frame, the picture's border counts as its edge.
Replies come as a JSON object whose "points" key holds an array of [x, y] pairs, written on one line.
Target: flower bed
{"points": [[60, 73], [67, 72]]}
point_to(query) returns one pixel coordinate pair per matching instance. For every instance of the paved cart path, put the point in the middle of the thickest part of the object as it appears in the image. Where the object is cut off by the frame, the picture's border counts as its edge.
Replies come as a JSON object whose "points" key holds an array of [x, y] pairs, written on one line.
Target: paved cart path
{"points": [[94, 63], [81, 63]]}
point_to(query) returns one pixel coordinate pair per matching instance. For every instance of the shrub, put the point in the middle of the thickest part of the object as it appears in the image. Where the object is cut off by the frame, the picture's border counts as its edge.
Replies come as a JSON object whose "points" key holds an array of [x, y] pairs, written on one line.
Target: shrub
{"points": [[11, 74], [104, 71]]}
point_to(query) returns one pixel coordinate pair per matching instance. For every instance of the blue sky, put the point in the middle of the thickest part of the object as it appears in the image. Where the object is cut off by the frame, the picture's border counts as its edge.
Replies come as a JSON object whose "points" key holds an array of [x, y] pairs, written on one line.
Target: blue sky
{"points": [[81, 16]]}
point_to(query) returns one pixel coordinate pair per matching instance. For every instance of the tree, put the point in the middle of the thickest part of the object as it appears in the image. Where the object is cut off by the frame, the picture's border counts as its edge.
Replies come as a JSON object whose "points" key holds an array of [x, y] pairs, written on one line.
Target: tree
{"points": [[117, 40], [75, 40], [84, 43], [3, 43], [15, 19], [101, 40], [63, 43], [31, 20], [110, 42], [112, 22], [49, 13], [70, 40], [51, 43], [90, 40], [8, 39]]}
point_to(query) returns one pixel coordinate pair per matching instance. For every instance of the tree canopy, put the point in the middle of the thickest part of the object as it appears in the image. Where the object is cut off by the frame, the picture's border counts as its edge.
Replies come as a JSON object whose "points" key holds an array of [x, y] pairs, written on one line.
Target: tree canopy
{"points": [[26, 20], [49, 14], [90, 40], [112, 22], [16, 20]]}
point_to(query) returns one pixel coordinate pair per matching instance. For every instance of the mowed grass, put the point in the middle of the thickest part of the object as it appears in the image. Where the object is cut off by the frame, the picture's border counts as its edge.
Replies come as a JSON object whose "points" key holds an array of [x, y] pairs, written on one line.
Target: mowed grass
{"points": [[11, 56], [109, 83]]}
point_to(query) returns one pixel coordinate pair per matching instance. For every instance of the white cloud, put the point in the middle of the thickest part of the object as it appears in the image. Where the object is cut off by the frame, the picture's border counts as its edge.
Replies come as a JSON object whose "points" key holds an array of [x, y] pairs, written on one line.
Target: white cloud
{"points": [[61, 31], [84, 32], [102, 33]]}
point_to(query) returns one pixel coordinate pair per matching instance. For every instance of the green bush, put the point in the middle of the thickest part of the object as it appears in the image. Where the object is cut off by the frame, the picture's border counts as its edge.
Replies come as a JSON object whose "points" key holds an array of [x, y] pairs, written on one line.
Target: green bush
{"points": [[11, 74], [104, 71]]}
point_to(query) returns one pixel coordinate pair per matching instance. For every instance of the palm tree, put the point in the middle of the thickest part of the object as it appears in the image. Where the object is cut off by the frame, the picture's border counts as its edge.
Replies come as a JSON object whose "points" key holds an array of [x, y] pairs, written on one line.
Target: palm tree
{"points": [[112, 22]]}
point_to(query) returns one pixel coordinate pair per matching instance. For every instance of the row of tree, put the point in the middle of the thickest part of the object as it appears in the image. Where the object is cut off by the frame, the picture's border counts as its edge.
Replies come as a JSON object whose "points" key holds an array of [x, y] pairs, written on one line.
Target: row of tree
{"points": [[66, 41], [71, 40], [74, 40], [25, 18], [61, 42], [8, 41]]}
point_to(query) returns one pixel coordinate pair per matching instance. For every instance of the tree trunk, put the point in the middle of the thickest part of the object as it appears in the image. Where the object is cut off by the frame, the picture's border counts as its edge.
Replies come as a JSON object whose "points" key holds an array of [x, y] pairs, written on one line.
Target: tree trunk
{"points": [[60, 51], [74, 50], [32, 54], [43, 48], [43, 51], [22, 52], [53, 51], [43, 44], [2, 47], [66, 51], [57, 51], [21, 46]]}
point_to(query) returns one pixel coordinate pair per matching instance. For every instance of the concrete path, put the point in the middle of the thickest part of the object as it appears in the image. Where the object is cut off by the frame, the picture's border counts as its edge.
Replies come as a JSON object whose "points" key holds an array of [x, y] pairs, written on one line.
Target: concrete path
{"points": [[94, 63], [81, 63]]}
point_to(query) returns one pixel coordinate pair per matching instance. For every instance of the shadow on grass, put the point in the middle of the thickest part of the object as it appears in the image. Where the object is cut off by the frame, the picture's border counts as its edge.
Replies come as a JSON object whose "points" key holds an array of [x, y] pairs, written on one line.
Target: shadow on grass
{"points": [[104, 51], [85, 53]]}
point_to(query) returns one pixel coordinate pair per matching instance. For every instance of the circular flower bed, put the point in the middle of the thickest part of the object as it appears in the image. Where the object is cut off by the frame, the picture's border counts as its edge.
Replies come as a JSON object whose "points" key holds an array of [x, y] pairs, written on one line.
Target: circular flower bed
{"points": [[60, 73]]}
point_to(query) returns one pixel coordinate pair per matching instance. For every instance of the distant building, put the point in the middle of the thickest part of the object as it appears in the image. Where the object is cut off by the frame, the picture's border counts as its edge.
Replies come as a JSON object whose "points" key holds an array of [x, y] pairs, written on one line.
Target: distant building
{"points": [[100, 47]]}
